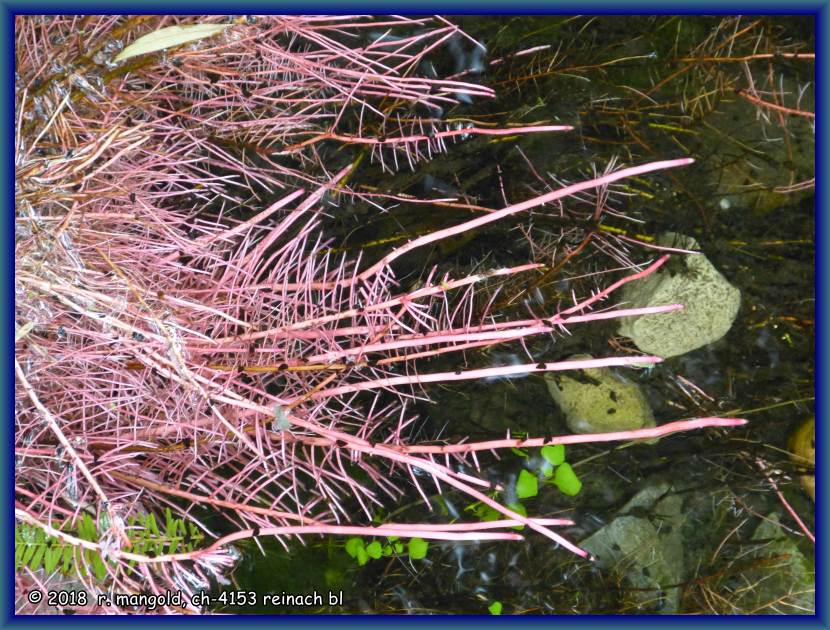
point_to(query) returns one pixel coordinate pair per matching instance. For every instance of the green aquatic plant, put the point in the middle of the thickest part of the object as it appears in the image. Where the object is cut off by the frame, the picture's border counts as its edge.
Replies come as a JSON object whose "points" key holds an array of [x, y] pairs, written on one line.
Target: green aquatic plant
{"points": [[361, 552], [554, 455], [566, 480], [36, 549], [554, 469], [559, 472], [526, 485]]}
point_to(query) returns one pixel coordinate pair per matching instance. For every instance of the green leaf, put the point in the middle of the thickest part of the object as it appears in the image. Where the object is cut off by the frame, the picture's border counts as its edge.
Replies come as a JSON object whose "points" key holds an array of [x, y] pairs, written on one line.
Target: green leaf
{"points": [[53, 556], [526, 485], [392, 538], [80, 566], [362, 556], [418, 548], [98, 566], [90, 531], [82, 527], [34, 563], [387, 550], [169, 523], [554, 454], [374, 549], [168, 37], [490, 514], [28, 553], [567, 481], [547, 470], [519, 452], [152, 526], [398, 547], [519, 509], [353, 546], [495, 608], [473, 507], [68, 558], [485, 512]]}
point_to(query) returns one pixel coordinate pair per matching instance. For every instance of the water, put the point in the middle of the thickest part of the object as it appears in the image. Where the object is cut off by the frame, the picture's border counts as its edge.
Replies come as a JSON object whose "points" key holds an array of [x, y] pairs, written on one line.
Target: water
{"points": [[633, 91]]}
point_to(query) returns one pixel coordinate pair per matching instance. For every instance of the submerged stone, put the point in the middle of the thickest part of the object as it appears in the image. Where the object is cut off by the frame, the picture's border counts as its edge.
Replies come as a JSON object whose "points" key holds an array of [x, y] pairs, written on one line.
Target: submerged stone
{"points": [[643, 545], [598, 400], [779, 578], [710, 303], [803, 452]]}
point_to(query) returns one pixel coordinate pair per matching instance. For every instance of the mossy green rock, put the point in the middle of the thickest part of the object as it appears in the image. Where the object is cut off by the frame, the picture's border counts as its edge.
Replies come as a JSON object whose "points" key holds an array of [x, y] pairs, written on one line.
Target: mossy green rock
{"points": [[598, 400], [710, 303]]}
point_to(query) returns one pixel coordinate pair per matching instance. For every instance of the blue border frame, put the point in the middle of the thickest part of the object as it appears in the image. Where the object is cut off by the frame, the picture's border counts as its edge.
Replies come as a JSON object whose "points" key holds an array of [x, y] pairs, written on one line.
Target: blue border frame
{"points": [[818, 8]]}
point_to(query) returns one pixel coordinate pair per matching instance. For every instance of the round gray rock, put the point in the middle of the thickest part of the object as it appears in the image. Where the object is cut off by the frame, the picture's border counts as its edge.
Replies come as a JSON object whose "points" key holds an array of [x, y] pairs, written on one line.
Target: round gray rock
{"points": [[710, 303]]}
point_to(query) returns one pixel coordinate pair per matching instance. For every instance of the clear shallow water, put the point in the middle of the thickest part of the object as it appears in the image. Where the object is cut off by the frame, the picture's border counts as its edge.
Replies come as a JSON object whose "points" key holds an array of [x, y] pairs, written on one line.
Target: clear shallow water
{"points": [[602, 81]]}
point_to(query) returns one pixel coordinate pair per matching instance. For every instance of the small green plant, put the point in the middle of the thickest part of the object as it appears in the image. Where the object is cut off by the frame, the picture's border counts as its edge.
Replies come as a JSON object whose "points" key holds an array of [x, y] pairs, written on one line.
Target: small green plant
{"points": [[555, 470], [526, 485], [417, 548], [35, 549], [559, 472], [566, 480], [554, 455], [495, 608], [357, 548], [484, 512], [519, 508]]}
